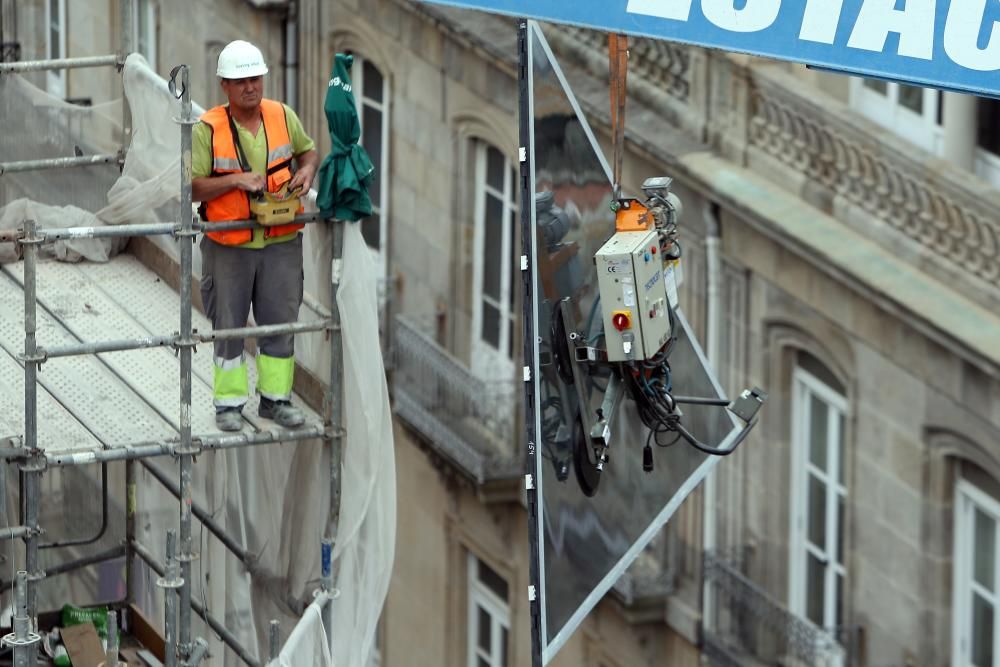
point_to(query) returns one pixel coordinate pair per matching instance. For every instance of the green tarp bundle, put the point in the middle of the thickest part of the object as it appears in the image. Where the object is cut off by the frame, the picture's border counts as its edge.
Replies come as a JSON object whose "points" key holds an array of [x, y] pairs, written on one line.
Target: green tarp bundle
{"points": [[347, 171]]}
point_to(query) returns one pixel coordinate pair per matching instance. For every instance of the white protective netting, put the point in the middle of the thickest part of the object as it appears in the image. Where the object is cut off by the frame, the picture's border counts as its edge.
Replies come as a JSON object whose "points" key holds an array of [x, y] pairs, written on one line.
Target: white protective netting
{"points": [[273, 500]]}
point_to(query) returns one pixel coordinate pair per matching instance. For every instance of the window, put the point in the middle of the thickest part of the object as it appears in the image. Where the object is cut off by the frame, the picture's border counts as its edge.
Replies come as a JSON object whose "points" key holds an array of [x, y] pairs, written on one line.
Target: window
{"points": [[819, 499], [144, 31], [988, 140], [495, 261], [371, 92], [489, 616], [913, 112], [55, 40], [976, 612]]}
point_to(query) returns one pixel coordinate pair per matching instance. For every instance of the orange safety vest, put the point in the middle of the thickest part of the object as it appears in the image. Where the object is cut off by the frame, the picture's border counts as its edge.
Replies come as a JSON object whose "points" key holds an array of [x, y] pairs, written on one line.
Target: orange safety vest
{"points": [[235, 204]]}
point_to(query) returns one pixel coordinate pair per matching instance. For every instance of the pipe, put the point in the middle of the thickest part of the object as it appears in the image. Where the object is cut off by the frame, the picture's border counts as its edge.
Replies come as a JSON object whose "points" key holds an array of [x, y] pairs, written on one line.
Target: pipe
{"points": [[333, 418], [274, 640], [69, 566], [714, 351], [172, 447], [169, 582], [56, 163], [227, 637], [204, 517], [186, 343], [167, 341], [30, 469], [104, 519], [131, 508], [58, 63], [127, 46], [145, 229], [13, 532], [111, 653]]}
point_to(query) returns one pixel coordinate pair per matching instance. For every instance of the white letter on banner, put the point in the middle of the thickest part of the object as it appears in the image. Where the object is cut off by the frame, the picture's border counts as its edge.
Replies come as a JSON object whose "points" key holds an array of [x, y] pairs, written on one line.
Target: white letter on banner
{"points": [[819, 23], [961, 35], [667, 9], [915, 25], [755, 15]]}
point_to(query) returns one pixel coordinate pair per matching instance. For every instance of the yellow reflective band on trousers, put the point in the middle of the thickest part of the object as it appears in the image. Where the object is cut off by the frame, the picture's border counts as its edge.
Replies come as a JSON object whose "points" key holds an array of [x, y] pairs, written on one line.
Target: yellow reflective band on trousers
{"points": [[231, 384], [274, 377]]}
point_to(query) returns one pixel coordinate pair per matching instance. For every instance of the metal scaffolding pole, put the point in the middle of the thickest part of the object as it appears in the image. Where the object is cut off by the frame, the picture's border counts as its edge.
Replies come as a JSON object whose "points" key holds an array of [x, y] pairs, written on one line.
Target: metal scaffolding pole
{"points": [[333, 407], [185, 344], [59, 63], [218, 628], [31, 468], [56, 163]]}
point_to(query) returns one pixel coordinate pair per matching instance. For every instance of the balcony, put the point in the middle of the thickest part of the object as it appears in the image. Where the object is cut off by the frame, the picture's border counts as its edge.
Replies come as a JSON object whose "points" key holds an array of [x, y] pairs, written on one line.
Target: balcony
{"points": [[470, 421], [749, 627]]}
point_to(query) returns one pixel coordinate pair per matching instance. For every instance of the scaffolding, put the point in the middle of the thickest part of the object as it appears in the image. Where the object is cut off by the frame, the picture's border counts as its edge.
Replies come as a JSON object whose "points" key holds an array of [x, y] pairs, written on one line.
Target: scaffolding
{"points": [[32, 460]]}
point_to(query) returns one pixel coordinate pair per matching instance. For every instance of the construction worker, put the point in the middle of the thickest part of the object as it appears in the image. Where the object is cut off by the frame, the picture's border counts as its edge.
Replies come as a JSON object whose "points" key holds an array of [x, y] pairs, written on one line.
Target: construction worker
{"points": [[241, 148]]}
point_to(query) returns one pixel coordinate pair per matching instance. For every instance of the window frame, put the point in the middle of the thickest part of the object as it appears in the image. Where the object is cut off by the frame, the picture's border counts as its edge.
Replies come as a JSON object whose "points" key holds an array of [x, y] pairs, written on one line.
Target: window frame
{"points": [[55, 80], [805, 385], [361, 100], [481, 596], [505, 303], [921, 128], [969, 498]]}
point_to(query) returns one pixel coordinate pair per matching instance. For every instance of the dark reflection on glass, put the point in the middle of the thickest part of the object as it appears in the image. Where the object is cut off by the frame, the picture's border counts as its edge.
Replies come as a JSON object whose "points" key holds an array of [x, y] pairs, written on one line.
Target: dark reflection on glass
{"points": [[586, 538]]}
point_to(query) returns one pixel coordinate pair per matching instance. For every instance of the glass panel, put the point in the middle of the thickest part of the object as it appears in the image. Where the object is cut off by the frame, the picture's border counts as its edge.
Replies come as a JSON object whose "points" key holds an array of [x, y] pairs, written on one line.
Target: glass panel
{"points": [[492, 247], [817, 512], [840, 528], [494, 168], [988, 136], [492, 580], [373, 82], [482, 663], [485, 621], [815, 590], [584, 538], [982, 632], [841, 462], [503, 648], [912, 98], [984, 550], [877, 86], [515, 262], [371, 230], [818, 431], [491, 324], [54, 29], [839, 620], [372, 141]]}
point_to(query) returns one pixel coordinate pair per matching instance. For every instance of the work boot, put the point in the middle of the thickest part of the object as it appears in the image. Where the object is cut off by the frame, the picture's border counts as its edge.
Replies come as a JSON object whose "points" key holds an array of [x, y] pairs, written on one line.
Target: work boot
{"points": [[283, 413], [229, 419]]}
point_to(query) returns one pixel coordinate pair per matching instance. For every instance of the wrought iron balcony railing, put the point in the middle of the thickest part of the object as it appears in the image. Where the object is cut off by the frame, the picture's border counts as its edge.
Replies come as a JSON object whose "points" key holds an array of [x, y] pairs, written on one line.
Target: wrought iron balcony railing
{"points": [[469, 420], [749, 627]]}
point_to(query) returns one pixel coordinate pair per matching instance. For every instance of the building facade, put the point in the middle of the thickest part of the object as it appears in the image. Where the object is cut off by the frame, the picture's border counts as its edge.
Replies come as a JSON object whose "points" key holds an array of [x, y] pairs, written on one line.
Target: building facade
{"points": [[858, 280]]}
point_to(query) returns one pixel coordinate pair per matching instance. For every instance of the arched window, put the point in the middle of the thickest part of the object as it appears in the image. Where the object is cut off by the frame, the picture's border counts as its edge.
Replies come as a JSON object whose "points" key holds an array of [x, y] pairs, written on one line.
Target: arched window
{"points": [[819, 493], [976, 571], [371, 90], [495, 247]]}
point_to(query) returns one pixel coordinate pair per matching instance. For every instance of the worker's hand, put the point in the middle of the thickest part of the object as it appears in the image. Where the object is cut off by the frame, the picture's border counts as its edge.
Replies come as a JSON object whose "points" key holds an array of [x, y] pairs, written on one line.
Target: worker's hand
{"points": [[250, 182], [303, 178]]}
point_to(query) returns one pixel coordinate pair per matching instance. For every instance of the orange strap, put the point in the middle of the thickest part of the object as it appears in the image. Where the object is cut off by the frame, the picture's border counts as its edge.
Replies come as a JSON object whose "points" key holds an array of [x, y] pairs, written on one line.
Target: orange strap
{"points": [[618, 60]]}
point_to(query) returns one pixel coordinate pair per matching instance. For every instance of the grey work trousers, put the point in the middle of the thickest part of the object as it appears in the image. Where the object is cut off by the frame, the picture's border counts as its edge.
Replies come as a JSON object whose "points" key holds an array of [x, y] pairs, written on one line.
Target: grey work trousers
{"points": [[269, 279]]}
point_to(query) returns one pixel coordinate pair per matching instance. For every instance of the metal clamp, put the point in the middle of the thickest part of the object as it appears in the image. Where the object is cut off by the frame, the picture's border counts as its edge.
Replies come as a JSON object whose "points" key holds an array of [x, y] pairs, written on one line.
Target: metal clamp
{"points": [[36, 461], [39, 357]]}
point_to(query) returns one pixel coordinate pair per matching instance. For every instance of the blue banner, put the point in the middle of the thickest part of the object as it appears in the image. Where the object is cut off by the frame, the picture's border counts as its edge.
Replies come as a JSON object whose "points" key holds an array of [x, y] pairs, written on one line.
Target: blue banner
{"points": [[950, 44]]}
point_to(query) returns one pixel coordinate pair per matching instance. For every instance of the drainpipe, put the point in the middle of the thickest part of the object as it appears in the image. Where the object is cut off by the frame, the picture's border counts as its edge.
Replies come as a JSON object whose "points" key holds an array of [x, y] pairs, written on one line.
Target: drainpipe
{"points": [[292, 55], [714, 352]]}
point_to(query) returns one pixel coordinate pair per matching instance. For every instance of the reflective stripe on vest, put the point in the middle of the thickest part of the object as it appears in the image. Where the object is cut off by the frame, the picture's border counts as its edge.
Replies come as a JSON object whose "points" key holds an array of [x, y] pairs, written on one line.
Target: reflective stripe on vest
{"points": [[235, 204]]}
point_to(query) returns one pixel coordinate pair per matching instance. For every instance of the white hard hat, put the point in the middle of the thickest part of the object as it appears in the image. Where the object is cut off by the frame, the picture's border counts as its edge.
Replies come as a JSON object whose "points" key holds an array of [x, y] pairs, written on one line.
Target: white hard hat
{"points": [[240, 60]]}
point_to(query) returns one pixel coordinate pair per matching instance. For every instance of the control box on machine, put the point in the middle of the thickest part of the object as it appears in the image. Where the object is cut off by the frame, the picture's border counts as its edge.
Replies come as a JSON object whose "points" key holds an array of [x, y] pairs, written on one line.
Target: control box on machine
{"points": [[630, 277]]}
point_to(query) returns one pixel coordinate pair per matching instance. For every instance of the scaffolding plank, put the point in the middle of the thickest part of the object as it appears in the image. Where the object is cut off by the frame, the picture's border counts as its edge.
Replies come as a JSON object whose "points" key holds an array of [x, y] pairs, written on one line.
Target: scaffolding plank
{"points": [[87, 389], [156, 307]]}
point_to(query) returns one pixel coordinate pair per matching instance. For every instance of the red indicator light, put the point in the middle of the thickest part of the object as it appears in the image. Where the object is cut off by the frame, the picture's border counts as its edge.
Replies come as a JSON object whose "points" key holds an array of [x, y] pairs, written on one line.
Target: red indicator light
{"points": [[653, 250]]}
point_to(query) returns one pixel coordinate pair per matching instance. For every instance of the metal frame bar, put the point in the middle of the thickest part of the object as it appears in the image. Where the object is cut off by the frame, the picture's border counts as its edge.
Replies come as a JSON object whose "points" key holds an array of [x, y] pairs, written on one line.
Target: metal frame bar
{"points": [[61, 63], [32, 460]]}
